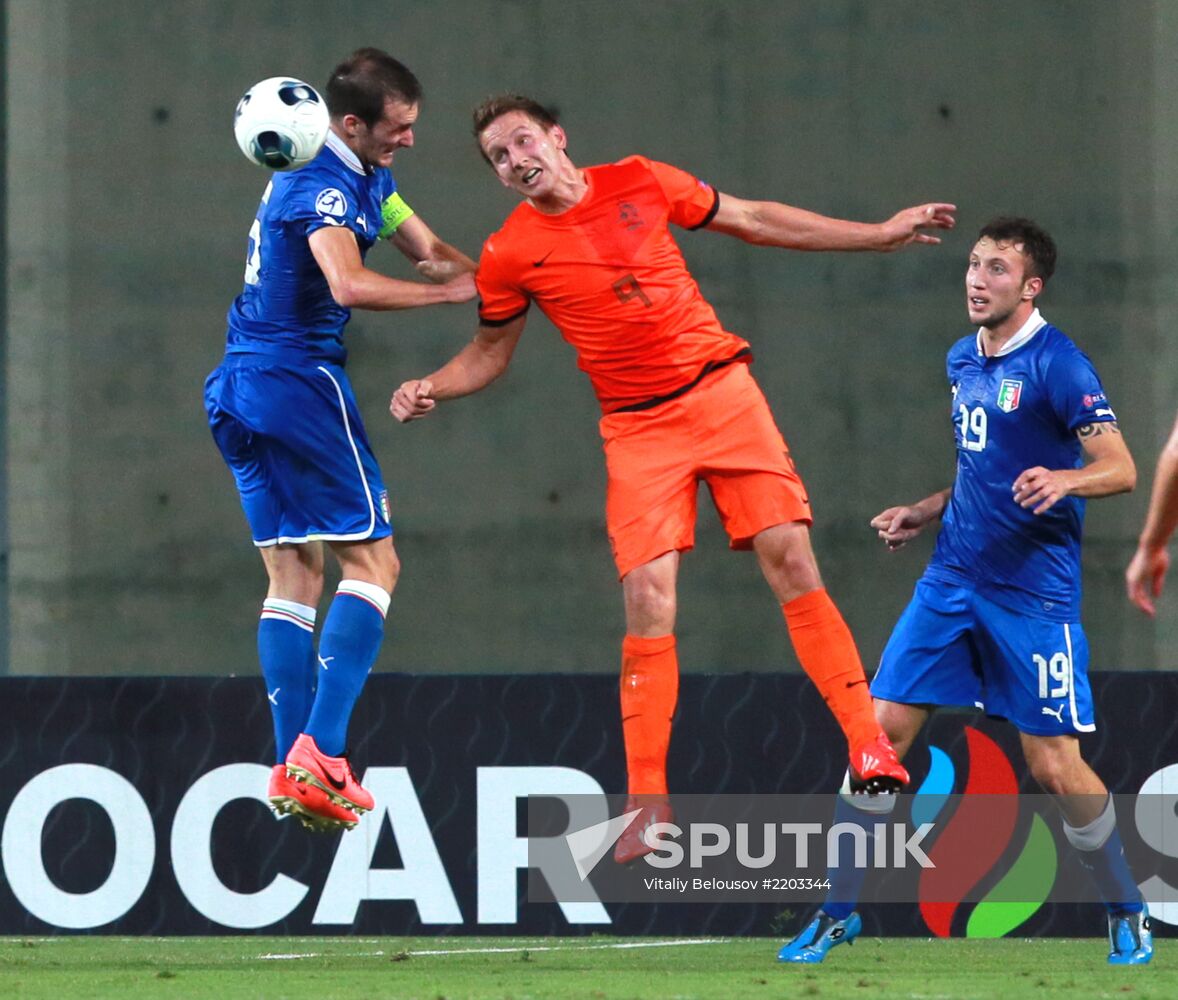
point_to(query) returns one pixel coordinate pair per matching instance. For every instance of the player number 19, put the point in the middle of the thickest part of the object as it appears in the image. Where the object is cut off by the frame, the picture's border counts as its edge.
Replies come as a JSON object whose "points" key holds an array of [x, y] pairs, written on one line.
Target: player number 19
{"points": [[1055, 669], [973, 422]]}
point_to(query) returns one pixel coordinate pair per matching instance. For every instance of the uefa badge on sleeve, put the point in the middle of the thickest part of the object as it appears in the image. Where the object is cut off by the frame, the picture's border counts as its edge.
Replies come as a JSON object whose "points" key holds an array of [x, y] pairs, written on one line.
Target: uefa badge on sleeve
{"points": [[332, 206], [1009, 394]]}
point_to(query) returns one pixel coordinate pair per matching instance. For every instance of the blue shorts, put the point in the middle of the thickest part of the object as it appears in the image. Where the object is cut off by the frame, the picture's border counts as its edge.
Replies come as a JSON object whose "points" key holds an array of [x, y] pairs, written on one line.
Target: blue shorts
{"points": [[952, 647], [293, 438]]}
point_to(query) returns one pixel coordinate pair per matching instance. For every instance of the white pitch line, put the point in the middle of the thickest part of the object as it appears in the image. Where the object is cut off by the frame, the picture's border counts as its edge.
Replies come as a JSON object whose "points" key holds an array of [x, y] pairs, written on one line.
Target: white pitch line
{"points": [[588, 947], [503, 951], [305, 954]]}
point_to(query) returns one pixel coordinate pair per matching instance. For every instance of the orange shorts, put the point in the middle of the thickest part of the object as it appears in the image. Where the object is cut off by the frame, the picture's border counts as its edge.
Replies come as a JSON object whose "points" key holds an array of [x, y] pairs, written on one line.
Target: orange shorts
{"points": [[720, 432]]}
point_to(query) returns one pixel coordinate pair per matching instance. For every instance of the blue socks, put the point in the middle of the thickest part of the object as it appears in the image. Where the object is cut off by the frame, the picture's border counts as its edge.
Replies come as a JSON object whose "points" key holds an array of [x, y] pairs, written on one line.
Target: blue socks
{"points": [[352, 633], [286, 649], [319, 705], [846, 881], [1098, 846]]}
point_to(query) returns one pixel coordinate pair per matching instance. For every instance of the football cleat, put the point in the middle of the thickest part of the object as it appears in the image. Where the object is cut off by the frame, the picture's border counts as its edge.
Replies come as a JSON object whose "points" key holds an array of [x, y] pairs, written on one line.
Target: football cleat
{"points": [[632, 843], [333, 775], [307, 803], [875, 768], [819, 936], [1130, 938]]}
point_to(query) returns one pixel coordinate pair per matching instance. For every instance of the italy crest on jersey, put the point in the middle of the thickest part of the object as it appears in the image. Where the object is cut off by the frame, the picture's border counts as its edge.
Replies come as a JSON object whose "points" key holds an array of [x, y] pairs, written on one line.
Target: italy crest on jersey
{"points": [[1009, 393]]}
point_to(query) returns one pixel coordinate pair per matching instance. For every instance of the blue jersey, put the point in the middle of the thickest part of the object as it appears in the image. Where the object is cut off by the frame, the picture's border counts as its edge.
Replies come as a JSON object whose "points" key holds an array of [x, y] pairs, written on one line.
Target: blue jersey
{"points": [[286, 310], [1011, 412]]}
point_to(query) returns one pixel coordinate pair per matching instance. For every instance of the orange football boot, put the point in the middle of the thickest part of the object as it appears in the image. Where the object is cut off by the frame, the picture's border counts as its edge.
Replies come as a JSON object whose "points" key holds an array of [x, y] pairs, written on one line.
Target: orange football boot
{"points": [[632, 844], [333, 775], [875, 768], [307, 803]]}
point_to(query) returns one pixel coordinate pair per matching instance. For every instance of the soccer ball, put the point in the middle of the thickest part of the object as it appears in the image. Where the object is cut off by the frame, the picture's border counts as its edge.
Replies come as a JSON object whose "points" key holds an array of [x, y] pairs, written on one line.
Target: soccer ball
{"points": [[281, 123]]}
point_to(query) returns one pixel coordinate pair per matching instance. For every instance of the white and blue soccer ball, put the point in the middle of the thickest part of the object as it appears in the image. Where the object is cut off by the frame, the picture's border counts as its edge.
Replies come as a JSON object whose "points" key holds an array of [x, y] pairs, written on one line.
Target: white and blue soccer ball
{"points": [[281, 123]]}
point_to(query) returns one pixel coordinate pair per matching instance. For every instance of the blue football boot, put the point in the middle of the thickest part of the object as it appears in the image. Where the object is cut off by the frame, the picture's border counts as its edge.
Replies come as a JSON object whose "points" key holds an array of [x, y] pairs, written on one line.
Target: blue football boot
{"points": [[1130, 938], [820, 935]]}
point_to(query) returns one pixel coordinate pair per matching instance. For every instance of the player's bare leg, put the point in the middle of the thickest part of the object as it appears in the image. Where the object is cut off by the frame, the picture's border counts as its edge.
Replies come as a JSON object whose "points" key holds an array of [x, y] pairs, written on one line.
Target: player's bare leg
{"points": [[1055, 762], [827, 652], [901, 722], [649, 593], [1090, 824], [350, 641], [295, 572], [786, 557], [649, 689], [373, 562]]}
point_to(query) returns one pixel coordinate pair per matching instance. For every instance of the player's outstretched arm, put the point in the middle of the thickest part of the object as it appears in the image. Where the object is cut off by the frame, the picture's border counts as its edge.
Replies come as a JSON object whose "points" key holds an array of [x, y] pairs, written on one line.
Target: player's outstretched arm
{"points": [[897, 526], [1110, 470], [473, 368], [1146, 574], [771, 223], [355, 286], [435, 259]]}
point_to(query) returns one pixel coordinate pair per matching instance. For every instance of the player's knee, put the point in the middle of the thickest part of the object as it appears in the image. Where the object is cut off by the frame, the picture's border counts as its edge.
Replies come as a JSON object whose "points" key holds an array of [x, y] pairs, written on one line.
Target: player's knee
{"points": [[1051, 767], [799, 571], [650, 608], [1050, 777], [787, 560]]}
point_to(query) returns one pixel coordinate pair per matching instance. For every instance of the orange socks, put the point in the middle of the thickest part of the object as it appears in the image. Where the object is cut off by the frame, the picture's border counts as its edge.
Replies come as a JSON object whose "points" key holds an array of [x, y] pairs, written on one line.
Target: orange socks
{"points": [[828, 655], [649, 689]]}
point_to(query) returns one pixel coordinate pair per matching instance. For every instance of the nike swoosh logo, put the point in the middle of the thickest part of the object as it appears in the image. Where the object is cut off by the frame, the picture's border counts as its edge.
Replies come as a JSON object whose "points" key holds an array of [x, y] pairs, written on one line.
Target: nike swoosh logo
{"points": [[537, 263], [851, 684], [338, 785]]}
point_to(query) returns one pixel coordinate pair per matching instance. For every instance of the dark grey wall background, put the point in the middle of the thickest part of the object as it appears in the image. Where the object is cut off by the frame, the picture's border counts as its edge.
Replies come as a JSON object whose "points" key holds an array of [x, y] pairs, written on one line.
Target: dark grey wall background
{"points": [[128, 206]]}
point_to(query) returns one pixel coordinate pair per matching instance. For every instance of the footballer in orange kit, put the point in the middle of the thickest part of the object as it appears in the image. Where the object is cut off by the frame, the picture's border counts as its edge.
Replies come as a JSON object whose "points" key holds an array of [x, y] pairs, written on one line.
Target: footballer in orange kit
{"points": [[592, 249]]}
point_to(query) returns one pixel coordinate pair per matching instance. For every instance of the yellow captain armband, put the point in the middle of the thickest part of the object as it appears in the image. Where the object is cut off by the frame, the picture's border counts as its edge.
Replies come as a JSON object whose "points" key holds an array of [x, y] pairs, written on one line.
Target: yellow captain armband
{"points": [[393, 212]]}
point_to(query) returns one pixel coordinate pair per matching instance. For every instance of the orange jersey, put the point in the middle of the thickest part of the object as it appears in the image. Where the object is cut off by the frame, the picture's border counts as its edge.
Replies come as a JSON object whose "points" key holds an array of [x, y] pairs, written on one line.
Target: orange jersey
{"points": [[611, 278]]}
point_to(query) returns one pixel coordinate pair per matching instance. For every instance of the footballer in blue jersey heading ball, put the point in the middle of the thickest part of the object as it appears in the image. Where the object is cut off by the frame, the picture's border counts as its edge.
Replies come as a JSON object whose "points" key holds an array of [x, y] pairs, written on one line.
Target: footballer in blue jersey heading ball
{"points": [[286, 307], [284, 417]]}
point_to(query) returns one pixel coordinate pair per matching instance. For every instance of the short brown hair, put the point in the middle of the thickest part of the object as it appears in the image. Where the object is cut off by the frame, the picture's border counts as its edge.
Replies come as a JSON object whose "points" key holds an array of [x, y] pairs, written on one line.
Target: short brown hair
{"points": [[501, 104], [1038, 246], [365, 81]]}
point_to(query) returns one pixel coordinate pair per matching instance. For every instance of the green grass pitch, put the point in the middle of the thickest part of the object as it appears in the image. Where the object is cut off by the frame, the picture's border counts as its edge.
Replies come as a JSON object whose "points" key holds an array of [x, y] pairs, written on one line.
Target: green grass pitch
{"points": [[596, 968]]}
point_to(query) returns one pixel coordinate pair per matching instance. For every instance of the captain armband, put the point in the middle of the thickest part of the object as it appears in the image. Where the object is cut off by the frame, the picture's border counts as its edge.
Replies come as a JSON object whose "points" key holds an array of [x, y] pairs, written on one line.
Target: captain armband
{"points": [[393, 212]]}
